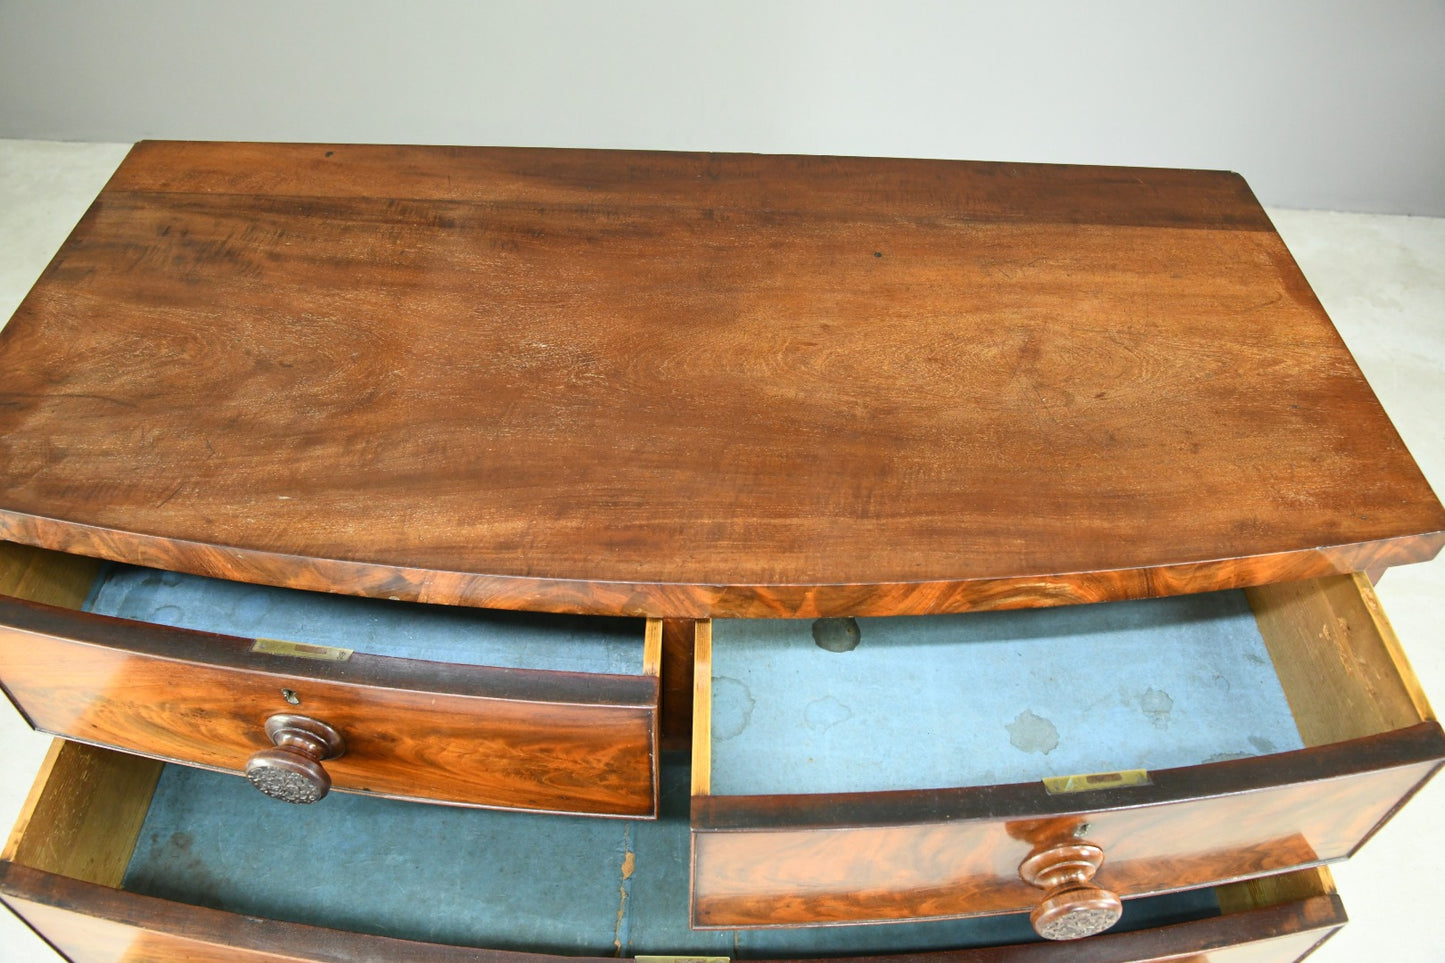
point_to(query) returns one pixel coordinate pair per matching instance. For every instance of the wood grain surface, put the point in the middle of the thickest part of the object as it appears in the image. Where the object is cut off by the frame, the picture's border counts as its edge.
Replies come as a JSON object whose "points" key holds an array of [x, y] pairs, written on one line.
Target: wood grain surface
{"points": [[686, 385], [473, 735], [94, 924]]}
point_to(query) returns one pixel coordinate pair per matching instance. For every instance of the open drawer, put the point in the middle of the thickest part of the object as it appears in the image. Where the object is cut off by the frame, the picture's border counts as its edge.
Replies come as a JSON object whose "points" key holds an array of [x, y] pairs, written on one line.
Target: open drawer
{"points": [[117, 857], [465, 706], [1047, 761]]}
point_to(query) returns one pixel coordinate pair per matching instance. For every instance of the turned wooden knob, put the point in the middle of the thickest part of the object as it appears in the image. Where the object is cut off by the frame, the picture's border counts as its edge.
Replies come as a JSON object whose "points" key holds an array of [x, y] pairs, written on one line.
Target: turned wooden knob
{"points": [[1071, 908], [292, 770]]}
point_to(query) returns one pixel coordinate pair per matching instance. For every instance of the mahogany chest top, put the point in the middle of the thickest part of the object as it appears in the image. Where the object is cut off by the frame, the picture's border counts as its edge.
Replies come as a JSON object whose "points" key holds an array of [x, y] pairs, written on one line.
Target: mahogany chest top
{"points": [[689, 384]]}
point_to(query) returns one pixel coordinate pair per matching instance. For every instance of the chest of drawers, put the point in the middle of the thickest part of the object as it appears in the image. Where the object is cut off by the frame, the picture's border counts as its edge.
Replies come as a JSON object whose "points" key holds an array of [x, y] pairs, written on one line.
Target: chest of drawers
{"points": [[984, 543]]}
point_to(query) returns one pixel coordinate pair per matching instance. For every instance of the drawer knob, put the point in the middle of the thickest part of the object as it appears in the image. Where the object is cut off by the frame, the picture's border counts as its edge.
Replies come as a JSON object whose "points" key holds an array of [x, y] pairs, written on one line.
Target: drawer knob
{"points": [[292, 770], [1071, 908]]}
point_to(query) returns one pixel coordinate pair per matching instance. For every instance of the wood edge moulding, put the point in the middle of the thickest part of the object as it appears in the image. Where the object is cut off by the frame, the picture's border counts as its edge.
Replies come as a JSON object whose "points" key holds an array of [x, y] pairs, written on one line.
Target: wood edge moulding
{"points": [[50, 586], [677, 600]]}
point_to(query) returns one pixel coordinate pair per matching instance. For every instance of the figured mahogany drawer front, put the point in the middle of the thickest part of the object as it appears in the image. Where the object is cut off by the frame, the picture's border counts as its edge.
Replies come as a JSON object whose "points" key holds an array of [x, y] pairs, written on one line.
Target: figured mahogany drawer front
{"points": [[1051, 761], [113, 850], [528, 731]]}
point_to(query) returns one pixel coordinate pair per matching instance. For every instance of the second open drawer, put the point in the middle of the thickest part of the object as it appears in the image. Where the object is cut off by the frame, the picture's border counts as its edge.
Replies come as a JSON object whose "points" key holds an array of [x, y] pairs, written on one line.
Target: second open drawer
{"points": [[118, 858], [1167, 744], [463, 706]]}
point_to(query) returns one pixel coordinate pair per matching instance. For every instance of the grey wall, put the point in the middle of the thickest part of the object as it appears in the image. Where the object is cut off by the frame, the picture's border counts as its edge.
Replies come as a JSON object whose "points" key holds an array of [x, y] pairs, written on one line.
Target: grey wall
{"points": [[1334, 103]]}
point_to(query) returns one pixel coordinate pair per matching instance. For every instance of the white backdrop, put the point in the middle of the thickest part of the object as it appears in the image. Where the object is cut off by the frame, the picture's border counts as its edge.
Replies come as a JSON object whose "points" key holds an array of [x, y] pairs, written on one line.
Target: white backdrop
{"points": [[1330, 103]]}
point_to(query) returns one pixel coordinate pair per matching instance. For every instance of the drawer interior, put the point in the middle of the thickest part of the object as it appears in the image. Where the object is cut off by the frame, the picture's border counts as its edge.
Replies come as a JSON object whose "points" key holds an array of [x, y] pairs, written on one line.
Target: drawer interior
{"points": [[477, 707], [566, 885], [1012, 697], [932, 702], [433, 633], [520, 640]]}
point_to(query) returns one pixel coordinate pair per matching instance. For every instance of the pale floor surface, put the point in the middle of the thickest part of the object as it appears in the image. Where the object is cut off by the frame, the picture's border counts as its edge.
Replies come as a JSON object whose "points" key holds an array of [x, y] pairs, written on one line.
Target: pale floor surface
{"points": [[1382, 279]]}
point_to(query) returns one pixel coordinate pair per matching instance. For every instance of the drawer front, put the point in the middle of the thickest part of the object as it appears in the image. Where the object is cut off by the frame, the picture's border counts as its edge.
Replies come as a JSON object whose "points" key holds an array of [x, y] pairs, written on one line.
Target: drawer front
{"points": [[95, 924], [471, 735], [99, 826], [1065, 848], [771, 862]]}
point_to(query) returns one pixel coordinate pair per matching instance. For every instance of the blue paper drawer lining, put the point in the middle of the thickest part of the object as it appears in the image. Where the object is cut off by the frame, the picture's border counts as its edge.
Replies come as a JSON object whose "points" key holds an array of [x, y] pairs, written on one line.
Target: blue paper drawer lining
{"points": [[436, 633], [993, 697]]}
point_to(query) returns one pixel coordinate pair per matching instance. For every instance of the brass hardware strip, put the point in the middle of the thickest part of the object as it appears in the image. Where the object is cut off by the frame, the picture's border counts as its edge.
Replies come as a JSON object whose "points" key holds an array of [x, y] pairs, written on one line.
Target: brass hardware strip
{"points": [[300, 650], [1125, 778]]}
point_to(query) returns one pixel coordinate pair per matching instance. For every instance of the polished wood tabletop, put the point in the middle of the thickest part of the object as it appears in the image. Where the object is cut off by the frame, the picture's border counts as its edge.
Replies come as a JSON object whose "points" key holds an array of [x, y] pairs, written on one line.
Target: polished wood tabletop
{"points": [[692, 384]]}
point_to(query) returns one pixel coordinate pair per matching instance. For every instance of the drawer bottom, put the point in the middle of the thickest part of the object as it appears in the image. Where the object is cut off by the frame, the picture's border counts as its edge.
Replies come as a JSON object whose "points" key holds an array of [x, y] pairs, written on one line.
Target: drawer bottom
{"points": [[213, 864]]}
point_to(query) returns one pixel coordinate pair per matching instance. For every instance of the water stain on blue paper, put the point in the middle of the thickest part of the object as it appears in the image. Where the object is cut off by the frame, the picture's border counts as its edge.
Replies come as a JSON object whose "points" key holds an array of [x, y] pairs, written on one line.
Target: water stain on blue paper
{"points": [[1033, 733]]}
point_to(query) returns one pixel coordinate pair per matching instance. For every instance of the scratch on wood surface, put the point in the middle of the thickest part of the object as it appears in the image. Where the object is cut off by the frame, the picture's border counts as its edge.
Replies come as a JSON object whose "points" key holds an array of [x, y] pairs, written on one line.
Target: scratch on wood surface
{"points": [[179, 485]]}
